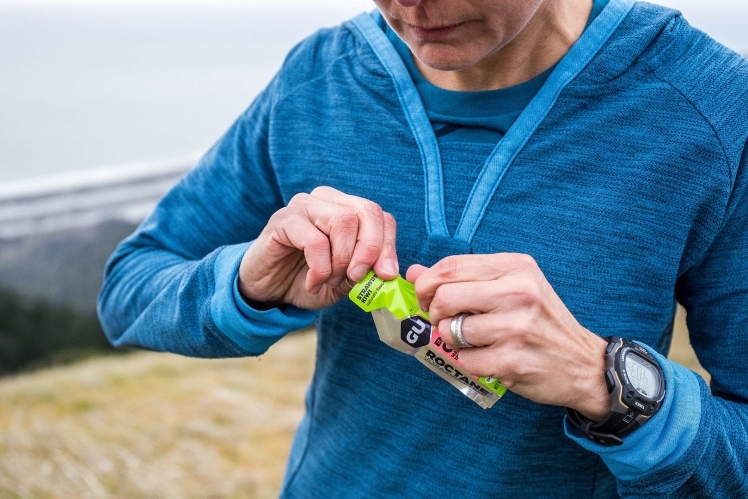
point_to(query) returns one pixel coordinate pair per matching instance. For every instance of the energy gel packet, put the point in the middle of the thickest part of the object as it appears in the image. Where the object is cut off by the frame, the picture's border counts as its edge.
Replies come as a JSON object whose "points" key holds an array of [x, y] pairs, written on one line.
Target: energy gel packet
{"points": [[402, 325]]}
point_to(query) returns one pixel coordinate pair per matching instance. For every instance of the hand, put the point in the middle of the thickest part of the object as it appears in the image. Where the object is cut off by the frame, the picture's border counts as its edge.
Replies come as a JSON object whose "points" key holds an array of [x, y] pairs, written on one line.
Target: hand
{"points": [[521, 331], [308, 249]]}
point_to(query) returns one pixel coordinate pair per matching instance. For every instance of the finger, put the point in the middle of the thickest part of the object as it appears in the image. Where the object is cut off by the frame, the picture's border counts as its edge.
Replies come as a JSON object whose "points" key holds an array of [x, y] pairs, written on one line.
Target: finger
{"points": [[470, 268], [517, 370], [414, 272], [299, 232], [485, 362], [350, 222], [343, 234], [502, 295], [370, 240], [387, 266], [481, 330], [444, 328]]}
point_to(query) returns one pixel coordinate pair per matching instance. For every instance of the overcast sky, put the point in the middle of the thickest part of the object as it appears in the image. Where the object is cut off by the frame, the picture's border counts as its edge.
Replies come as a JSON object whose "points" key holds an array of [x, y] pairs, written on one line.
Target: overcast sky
{"points": [[359, 4], [691, 5], [726, 20]]}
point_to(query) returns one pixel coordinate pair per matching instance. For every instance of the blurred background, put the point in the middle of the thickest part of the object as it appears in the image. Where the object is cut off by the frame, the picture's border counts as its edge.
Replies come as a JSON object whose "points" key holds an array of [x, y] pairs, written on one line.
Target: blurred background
{"points": [[103, 106]]}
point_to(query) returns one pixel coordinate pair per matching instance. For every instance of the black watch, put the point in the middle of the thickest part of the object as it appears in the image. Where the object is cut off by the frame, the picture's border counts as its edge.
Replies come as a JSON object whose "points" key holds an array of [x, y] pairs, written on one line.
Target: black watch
{"points": [[636, 386]]}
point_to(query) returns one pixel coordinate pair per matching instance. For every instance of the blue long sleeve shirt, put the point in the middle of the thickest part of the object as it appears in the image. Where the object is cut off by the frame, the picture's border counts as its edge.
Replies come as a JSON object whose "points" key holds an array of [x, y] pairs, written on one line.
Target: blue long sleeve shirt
{"points": [[624, 178]]}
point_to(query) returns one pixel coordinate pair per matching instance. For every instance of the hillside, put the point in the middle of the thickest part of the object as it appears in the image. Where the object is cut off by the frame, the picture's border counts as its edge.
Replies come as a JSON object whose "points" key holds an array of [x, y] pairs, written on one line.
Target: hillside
{"points": [[64, 267], [153, 426]]}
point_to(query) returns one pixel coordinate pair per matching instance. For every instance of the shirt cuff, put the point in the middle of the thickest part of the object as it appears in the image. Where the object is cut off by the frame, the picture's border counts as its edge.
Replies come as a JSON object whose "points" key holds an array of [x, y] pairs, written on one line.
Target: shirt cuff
{"points": [[254, 331], [662, 440]]}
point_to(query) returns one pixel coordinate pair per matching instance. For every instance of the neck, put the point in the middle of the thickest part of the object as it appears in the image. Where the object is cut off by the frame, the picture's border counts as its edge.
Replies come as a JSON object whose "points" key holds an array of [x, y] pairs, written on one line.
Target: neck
{"points": [[549, 35]]}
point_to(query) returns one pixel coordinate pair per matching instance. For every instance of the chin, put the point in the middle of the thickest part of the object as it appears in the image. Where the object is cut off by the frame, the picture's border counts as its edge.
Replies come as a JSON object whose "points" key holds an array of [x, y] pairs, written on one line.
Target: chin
{"points": [[445, 58]]}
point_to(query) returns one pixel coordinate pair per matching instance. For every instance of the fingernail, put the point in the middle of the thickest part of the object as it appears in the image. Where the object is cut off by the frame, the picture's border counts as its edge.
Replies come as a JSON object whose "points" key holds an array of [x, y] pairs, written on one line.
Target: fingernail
{"points": [[389, 266], [315, 290], [359, 272]]}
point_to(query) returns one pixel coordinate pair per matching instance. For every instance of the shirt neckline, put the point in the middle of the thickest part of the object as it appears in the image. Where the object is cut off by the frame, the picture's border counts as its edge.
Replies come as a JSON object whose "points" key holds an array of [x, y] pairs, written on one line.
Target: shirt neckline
{"points": [[493, 171]]}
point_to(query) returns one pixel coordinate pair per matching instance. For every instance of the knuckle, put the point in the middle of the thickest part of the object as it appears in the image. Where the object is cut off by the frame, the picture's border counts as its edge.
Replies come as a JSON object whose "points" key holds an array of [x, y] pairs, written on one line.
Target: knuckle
{"points": [[299, 198], [339, 262], [277, 217], [370, 249], [372, 209], [345, 221], [323, 190], [517, 369], [422, 288], [508, 369], [442, 296], [318, 242], [521, 326], [512, 367], [508, 381], [448, 268], [389, 220], [525, 262], [528, 294]]}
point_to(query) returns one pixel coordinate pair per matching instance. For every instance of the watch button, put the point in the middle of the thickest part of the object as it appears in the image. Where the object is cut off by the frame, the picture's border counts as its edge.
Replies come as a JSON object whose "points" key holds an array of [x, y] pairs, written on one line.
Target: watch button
{"points": [[630, 395], [609, 382], [610, 347]]}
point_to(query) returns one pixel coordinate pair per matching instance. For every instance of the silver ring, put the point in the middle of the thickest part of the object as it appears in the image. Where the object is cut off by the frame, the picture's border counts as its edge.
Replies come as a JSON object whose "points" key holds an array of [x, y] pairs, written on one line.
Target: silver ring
{"points": [[455, 327]]}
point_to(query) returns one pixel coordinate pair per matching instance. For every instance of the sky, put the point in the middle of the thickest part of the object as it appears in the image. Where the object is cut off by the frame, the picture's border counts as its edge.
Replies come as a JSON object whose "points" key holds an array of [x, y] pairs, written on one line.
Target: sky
{"points": [[711, 16], [690, 5], [99, 84], [360, 4]]}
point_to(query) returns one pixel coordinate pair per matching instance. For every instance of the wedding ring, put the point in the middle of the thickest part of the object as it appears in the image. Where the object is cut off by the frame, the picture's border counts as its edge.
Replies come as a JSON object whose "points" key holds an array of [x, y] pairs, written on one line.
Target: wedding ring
{"points": [[455, 327]]}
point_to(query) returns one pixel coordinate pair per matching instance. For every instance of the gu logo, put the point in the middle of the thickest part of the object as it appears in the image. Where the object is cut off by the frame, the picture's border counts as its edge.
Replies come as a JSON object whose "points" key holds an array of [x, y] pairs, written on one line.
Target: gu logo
{"points": [[415, 331]]}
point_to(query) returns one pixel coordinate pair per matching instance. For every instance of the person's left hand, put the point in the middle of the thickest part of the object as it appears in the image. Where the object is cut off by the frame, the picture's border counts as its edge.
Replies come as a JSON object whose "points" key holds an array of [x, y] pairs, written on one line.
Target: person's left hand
{"points": [[520, 330]]}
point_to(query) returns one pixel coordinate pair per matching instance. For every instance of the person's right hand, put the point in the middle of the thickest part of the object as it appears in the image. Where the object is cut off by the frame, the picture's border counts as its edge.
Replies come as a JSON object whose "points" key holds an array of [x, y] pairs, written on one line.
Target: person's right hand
{"points": [[309, 249]]}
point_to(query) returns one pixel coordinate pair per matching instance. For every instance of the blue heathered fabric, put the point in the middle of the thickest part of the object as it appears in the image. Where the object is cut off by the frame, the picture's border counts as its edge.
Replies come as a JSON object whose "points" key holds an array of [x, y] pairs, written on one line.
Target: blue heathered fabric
{"points": [[483, 116], [471, 116], [630, 194]]}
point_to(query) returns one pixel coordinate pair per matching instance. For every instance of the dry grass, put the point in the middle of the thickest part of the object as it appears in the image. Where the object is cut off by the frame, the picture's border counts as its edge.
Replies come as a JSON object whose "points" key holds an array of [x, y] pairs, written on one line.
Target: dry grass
{"points": [[161, 426], [154, 426], [681, 351]]}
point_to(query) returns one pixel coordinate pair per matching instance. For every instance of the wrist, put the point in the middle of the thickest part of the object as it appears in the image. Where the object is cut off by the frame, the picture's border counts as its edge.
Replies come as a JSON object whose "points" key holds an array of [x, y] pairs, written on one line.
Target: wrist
{"points": [[259, 305], [595, 401]]}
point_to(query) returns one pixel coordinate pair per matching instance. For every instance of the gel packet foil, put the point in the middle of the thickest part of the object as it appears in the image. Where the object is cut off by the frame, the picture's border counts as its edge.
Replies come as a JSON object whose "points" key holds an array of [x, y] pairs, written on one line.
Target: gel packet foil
{"points": [[402, 325]]}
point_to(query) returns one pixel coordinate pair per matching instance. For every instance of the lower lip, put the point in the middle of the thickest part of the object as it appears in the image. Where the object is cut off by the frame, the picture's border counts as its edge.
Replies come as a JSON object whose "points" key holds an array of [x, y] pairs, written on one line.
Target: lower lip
{"points": [[432, 34]]}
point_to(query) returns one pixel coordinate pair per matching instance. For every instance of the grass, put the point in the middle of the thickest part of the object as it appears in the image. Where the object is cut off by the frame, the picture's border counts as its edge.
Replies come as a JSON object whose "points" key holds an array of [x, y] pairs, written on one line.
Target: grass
{"points": [[153, 426]]}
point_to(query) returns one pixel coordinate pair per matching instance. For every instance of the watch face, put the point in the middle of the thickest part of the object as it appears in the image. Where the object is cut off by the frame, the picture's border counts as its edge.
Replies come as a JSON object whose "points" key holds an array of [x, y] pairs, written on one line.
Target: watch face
{"points": [[642, 376]]}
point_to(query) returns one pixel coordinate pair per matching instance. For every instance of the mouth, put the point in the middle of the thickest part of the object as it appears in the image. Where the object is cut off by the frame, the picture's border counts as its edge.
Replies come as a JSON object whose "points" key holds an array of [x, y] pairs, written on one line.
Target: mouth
{"points": [[432, 33]]}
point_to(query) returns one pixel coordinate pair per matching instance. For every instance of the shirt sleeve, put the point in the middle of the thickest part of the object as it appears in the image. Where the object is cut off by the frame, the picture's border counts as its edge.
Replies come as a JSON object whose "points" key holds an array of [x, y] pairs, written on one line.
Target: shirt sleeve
{"points": [[696, 445], [170, 286]]}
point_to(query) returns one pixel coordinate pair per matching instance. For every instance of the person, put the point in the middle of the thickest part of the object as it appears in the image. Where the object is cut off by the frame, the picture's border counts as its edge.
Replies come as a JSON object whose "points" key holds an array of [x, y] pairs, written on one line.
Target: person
{"points": [[563, 171]]}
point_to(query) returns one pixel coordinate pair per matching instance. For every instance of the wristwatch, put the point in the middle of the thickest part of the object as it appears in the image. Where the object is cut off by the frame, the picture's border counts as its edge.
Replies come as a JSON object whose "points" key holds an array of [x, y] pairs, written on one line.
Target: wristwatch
{"points": [[636, 386]]}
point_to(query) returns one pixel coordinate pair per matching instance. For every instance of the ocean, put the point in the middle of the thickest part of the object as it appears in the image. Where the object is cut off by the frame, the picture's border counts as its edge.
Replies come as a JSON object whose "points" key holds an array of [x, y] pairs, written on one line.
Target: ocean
{"points": [[84, 86]]}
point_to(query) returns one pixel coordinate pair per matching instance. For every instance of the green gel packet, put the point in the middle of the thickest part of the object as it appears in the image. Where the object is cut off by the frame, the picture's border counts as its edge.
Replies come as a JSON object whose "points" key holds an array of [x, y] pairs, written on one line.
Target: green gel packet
{"points": [[402, 325]]}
